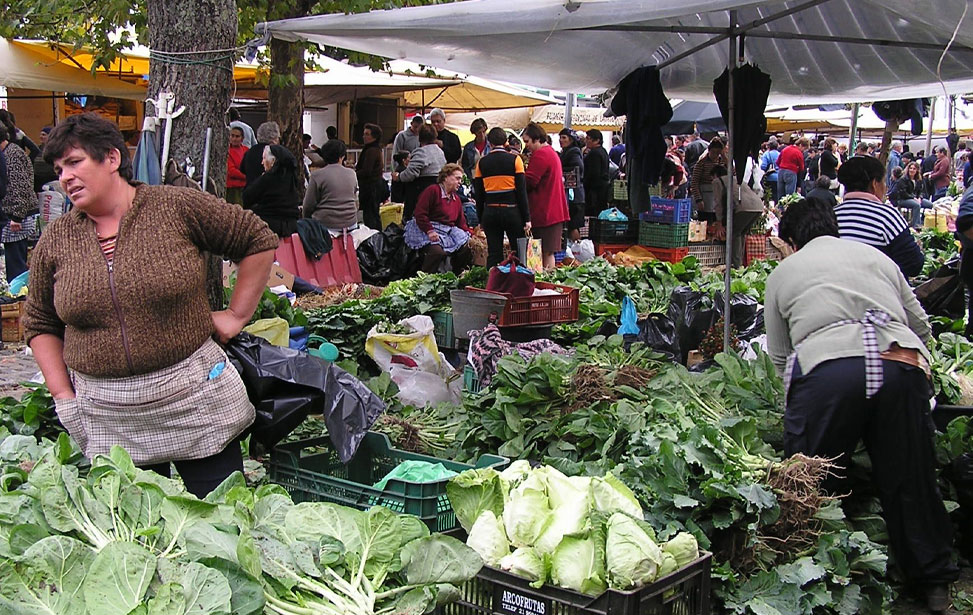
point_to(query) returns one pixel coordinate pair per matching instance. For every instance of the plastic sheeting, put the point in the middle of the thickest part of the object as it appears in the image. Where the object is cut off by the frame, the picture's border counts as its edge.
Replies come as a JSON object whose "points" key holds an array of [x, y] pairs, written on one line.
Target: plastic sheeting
{"points": [[286, 385], [550, 43]]}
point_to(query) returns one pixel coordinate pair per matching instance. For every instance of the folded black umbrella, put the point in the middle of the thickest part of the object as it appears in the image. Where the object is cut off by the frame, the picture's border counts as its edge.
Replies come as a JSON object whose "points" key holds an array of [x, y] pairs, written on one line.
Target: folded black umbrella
{"points": [[751, 87]]}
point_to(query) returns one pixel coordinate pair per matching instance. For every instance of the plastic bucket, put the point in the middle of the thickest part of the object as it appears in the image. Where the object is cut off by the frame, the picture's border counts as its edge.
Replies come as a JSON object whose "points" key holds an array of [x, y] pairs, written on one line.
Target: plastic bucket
{"points": [[390, 214], [473, 310]]}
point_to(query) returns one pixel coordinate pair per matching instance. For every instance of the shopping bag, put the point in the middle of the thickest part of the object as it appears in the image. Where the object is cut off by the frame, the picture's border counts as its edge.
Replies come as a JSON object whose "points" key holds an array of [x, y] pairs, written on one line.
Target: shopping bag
{"points": [[512, 278], [530, 252], [416, 349], [613, 214]]}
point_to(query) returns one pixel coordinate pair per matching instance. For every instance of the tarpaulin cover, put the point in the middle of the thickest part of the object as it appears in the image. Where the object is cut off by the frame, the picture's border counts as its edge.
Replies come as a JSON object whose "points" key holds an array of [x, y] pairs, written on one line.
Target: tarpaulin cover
{"points": [[285, 386], [554, 44]]}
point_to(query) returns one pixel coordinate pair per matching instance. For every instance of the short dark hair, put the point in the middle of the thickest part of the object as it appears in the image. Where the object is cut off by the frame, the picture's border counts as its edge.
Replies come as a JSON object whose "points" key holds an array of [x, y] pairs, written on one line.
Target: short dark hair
{"points": [[399, 157], [476, 123], [417, 119], [427, 134], [497, 136], [332, 151], [234, 114], [594, 135], [4, 133], [236, 129], [807, 219], [535, 132], [331, 132], [858, 173], [92, 133], [716, 143], [375, 129], [823, 181], [306, 137]]}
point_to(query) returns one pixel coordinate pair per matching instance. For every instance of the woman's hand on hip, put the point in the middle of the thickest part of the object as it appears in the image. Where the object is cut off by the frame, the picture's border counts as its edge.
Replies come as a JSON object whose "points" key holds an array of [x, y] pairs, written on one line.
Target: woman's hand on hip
{"points": [[227, 325]]}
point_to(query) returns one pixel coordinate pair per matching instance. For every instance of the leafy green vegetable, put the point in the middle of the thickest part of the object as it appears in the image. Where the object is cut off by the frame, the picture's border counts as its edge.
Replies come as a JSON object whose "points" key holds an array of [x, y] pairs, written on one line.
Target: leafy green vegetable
{"points": [[633, 557]]}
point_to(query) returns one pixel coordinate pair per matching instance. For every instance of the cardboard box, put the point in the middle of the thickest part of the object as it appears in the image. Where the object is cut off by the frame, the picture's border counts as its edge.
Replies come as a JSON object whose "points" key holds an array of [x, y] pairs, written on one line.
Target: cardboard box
{"points": [[277, 275], [12, 315]]}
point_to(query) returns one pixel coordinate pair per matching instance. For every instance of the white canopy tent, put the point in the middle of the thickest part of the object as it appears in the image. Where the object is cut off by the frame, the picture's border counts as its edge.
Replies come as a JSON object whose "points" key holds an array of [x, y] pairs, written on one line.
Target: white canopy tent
{"points": [[821, 51]]}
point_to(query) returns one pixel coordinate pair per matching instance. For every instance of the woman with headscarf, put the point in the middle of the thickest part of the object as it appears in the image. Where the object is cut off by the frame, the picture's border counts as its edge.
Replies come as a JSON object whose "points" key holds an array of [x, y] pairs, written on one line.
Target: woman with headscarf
{"points": [[572, 166], [274, 195]]}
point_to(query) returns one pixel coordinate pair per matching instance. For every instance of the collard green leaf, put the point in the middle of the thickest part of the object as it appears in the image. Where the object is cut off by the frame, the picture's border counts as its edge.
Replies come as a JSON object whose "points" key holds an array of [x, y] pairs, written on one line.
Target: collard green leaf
{"points": [[205, 590], [118, 578], [248, 595], [439, 559], [311, 520]]}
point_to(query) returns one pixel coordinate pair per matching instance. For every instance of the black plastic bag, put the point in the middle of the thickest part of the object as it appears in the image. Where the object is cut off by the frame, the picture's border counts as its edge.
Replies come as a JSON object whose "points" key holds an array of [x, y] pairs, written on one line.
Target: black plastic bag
{"points": [[384, 257], [745, 314], [658, 332], [694, 313], [944, 294], [285, 386]]}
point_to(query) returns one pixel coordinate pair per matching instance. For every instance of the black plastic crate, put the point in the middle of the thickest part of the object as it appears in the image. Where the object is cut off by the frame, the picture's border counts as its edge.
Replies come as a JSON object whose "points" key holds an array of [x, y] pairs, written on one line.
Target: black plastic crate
{"points": [[684, 592], [612, 231]]}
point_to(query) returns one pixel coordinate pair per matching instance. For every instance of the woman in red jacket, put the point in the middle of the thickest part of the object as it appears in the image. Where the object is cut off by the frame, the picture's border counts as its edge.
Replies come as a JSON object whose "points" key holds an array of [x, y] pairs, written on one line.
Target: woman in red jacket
{"points": [[545, 193], [236, 181]]}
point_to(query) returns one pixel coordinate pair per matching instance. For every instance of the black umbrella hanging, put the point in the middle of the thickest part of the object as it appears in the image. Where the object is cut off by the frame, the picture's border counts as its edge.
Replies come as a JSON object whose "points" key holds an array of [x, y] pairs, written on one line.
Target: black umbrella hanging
{"points": [[690, 114], [752, 87]]}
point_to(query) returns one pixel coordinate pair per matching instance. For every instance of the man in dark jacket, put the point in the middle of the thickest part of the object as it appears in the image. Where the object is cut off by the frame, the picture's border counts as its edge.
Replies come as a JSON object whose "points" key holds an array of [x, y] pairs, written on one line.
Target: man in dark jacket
{"points": [[596, 178], [446, 140]]}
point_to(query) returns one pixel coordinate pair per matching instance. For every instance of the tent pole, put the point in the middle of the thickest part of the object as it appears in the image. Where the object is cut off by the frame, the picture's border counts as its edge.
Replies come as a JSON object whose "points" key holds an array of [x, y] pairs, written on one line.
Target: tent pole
{"points": [[852, 142], [568, 108], [730, 175], [932, 118]]}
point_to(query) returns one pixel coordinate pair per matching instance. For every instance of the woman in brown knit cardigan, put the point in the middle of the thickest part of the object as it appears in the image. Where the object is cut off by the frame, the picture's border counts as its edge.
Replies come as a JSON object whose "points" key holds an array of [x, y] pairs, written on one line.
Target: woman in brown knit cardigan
{"points": [[118, 317]]}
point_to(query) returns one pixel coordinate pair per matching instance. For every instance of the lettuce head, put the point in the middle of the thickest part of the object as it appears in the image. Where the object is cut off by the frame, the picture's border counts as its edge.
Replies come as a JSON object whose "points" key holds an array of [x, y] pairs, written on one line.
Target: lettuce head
{"points": [[528, 564], [474, 491], [488, 538], [632, 557], [578, 563]]}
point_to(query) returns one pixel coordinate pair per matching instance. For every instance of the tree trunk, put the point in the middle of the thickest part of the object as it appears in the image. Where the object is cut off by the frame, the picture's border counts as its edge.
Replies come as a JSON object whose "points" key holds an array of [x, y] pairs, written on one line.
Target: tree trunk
{"points": [[203, 82], [286, 94], [890, 127]]}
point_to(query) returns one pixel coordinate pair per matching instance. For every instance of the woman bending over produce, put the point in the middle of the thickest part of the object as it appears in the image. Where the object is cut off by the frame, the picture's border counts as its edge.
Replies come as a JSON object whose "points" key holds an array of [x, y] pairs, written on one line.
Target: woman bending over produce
{"points": [[847, 333], [118, 316]]}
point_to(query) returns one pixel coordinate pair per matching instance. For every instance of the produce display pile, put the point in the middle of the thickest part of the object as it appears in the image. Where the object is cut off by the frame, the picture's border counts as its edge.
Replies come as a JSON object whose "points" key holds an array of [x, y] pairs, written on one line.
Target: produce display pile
{"points": [[636, 464]]}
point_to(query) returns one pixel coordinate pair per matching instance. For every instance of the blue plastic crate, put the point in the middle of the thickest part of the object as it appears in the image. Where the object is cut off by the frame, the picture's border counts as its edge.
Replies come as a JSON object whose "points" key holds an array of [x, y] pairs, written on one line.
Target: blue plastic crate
{"points": [[668, 211]]}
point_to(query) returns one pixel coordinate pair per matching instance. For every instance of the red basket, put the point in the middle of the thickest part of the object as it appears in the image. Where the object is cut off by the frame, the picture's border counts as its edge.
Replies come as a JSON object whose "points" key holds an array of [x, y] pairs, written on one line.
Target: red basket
{"points": [[671, 255], [543, 310], [611, 248]]}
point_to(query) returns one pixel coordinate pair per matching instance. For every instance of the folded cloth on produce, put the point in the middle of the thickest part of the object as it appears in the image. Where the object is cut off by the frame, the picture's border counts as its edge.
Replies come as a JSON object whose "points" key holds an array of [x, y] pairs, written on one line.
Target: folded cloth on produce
{"points": [[487, 347]]}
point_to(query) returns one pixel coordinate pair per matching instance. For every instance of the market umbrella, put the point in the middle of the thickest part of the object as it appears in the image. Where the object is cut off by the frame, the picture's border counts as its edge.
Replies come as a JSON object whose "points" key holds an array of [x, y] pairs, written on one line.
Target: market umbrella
{"points": [[690, 114], [751, 88]]}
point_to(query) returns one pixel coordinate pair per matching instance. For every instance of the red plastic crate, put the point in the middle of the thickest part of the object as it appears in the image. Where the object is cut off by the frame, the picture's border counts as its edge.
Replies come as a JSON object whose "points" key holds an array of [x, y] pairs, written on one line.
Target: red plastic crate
{"points": [[671, 255], [543, 310], [611, 248]]}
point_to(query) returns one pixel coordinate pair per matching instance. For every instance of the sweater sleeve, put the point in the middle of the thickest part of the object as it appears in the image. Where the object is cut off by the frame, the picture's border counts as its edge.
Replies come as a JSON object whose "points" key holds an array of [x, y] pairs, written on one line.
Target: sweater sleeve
{"points": [[222, 228], [520, 189], [479, 191], [536, 170], [310, 198], [425, 204], [417, 162], [778, 335], [918, 320], [906, 253], [233, 170], [40, 316]]}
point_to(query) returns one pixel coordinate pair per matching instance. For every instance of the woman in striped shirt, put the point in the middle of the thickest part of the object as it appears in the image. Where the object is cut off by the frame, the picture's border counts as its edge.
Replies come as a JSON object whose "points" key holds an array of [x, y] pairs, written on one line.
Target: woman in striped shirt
{"points": [[864, 215]]}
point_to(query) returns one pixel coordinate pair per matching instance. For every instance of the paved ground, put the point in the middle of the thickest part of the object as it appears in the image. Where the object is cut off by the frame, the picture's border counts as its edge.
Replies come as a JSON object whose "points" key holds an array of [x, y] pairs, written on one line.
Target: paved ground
{"points": [[15, 367]]}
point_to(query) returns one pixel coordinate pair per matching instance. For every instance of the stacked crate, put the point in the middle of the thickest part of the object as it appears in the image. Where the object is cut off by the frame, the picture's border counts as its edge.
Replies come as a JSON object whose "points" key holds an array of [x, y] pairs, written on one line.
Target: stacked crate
{"points": [[664, 229]]}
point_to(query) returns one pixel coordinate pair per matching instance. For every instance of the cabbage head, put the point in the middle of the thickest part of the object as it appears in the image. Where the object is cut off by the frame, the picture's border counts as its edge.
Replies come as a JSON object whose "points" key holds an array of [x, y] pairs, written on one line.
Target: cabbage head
{"points": [[570, 507], [609, 495], [668, 565], [487, 538], [527, 513], [683, 547], [578, 563], [527, 564], [474, 491], [513, 474], [632, 557]]}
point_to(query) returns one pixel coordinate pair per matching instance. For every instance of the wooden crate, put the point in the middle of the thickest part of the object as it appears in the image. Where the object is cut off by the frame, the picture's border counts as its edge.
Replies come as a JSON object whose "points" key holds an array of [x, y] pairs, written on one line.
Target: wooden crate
{"points": [[12, 315]]}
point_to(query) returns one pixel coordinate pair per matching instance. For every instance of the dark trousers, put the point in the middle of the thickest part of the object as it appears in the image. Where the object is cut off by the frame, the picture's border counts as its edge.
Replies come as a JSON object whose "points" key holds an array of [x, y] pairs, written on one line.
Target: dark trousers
{"points": [[827, 413], [284, 227], [15, 258], [966, 274], [203, 475], [434, 255], [370, 196], [496, 222]]}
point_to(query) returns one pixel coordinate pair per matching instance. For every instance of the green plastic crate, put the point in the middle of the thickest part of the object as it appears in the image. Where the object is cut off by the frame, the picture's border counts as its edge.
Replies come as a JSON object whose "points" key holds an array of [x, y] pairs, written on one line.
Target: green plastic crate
{"points": [[311, 472], [443, 329], [663, 235], [471, 384]]}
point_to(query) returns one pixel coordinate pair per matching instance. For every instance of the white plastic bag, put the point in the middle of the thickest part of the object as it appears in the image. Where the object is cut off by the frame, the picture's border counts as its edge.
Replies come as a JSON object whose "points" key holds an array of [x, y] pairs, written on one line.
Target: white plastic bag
{"points": [[420, 388], [581, 251]]}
